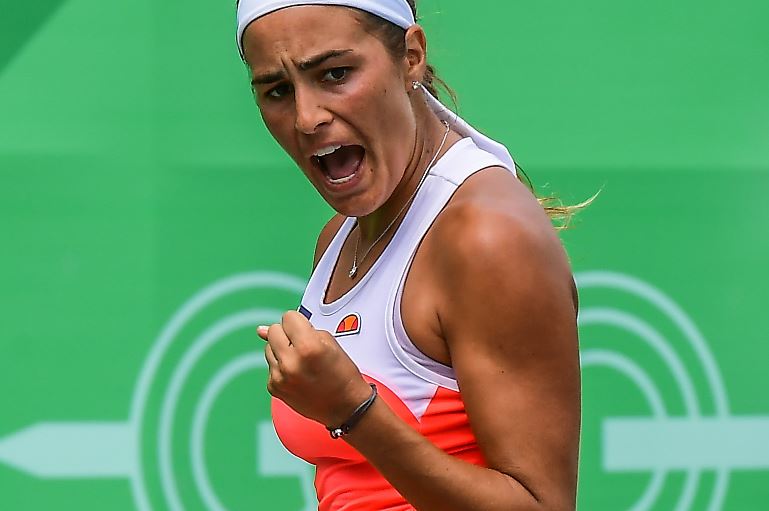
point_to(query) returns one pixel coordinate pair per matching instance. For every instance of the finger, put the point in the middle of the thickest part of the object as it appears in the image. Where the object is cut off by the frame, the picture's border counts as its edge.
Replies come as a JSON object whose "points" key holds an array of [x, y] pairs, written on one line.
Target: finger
{"points": [[271, 388], [262, 331], [296, 326], [278, 341], [272, 360], [275, 376]]}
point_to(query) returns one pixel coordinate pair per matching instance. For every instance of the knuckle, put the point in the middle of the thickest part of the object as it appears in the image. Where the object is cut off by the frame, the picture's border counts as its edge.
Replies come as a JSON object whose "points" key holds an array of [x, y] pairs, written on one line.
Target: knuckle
{"points": [[309, 351], [287, 380], [324, 337], [290, 372], [274, 389], [276, 377]]}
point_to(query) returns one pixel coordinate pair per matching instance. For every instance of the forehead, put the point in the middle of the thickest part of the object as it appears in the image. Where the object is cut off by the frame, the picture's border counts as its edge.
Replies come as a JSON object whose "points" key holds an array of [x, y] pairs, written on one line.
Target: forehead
{"points": [[300, 31]]}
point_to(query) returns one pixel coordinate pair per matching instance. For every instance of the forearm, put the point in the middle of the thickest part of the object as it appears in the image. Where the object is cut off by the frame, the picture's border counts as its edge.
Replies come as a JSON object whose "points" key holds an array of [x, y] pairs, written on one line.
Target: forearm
{"points": [[430, 479]]}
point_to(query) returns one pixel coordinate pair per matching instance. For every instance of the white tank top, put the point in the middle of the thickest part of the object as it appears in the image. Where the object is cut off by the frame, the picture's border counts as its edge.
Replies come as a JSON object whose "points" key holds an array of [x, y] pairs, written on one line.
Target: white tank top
{"points": [[366, 322]]}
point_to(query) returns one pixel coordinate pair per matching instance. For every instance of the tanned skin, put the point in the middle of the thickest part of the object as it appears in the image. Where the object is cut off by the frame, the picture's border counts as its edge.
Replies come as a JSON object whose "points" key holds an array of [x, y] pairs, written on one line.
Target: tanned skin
{"points": [[490, 291]]}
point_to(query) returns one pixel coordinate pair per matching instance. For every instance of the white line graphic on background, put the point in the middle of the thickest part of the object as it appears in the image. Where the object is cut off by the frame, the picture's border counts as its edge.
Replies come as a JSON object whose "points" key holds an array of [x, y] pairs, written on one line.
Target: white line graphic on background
{"points": [[662, 443], [657, 445]]}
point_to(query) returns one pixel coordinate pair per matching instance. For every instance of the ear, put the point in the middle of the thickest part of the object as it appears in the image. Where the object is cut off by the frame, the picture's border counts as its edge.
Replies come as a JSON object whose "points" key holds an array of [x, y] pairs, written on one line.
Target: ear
{"points": [[416, 55]]}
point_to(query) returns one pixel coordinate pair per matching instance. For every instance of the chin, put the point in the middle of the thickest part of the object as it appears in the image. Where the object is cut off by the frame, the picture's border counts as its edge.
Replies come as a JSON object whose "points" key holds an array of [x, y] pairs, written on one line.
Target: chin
{"points": [[351, 208], [354, 205]]}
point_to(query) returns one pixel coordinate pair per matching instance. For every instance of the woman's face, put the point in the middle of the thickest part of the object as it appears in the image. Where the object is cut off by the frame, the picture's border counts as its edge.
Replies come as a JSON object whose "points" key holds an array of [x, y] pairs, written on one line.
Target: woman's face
{"points": [[334, 99]]}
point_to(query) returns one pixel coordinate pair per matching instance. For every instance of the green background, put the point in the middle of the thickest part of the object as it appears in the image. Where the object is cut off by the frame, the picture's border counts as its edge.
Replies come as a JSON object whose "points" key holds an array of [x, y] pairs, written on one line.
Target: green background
{"points": [[135, 172]]}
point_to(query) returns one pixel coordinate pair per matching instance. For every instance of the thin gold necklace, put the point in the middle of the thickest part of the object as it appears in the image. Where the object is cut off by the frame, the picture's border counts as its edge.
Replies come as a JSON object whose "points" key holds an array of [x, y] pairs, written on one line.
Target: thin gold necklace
{"points": [[354, 269]]}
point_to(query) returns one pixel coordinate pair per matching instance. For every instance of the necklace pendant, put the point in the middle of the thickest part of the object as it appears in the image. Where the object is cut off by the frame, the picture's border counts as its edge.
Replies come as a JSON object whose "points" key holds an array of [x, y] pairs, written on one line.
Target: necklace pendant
{"points": [[353, 271]]}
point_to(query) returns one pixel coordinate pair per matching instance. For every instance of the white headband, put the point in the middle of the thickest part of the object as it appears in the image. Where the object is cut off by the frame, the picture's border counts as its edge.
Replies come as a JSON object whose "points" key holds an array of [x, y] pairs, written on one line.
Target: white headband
{"points": [[395, 11]]}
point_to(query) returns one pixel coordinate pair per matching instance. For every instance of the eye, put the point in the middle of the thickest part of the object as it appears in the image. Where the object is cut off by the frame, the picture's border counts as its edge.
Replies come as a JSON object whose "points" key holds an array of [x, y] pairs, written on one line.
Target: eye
{"points": [[336, 74], [279, 91]]}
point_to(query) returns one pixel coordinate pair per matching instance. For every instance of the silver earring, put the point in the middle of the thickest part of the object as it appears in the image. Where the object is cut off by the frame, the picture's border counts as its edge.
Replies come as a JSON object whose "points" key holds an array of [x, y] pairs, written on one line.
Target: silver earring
{"points": [[415, 85]]}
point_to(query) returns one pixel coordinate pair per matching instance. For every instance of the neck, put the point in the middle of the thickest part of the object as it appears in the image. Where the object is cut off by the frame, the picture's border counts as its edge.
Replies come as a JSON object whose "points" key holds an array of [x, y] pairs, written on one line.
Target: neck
{"points": [[427, 141]]}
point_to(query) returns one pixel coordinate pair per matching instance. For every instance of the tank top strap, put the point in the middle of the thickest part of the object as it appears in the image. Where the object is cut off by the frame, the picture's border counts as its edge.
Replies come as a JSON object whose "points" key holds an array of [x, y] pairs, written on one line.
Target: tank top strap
{"points": [[461, 161], [466, 159]]}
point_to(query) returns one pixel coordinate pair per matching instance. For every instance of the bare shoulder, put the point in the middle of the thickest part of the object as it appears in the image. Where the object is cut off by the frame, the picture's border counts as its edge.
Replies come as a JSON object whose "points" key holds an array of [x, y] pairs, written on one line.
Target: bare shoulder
{"points": [[495, 227], [326, 235]]}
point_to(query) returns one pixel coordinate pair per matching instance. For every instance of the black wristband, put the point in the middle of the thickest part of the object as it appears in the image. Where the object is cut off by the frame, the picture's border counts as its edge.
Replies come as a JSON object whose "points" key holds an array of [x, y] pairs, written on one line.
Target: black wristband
{"points": [[340, 431]]}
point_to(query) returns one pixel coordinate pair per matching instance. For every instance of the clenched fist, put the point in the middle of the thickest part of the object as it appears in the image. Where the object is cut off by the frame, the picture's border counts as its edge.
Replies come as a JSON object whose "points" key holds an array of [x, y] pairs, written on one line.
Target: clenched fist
{"points": [[310, 372]]}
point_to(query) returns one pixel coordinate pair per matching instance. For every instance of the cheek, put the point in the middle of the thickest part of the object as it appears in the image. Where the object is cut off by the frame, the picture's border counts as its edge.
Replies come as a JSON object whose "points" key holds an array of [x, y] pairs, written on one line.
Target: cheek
{"points": [[380, 101], [271, 120], [280, 127], [378, 106], [395, 122]]}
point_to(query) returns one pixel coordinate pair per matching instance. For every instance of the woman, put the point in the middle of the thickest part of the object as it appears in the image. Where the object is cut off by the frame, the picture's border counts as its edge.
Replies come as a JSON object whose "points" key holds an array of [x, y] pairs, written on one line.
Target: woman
{"points": [[436, 341]]}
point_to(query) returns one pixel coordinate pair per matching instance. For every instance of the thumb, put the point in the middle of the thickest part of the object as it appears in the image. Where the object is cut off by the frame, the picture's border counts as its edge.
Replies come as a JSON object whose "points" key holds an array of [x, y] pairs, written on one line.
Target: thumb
{"points": [[262, 331]]}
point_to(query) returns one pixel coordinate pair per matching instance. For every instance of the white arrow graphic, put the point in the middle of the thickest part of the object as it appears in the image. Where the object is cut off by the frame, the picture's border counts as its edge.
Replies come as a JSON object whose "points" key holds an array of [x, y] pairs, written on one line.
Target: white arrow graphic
{"points": [[71, 450], [631, 445]]}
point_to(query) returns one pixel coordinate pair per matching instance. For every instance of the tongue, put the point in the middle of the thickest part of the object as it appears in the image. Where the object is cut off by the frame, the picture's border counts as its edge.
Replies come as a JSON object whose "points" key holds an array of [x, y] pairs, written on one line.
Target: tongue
{"points": [[343, 162]]}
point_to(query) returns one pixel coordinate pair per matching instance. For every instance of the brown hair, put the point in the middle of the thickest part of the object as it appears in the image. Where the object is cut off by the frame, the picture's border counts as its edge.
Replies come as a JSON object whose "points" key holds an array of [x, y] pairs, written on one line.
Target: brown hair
{"points": [[394, 40]]}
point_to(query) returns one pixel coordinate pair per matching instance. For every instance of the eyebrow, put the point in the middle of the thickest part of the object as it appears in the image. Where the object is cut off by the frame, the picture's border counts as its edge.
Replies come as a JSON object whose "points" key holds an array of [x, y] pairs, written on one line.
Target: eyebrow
{"points": [[304, 65]]}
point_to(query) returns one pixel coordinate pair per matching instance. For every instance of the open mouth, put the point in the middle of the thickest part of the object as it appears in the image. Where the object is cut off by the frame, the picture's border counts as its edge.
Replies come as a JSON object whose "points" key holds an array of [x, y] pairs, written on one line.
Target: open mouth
{"points": [[339, 164]]}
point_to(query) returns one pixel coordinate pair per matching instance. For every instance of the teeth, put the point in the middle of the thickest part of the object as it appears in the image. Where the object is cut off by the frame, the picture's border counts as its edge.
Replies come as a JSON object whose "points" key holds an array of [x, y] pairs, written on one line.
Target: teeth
{"points": [[327, 150], [342, 180]]}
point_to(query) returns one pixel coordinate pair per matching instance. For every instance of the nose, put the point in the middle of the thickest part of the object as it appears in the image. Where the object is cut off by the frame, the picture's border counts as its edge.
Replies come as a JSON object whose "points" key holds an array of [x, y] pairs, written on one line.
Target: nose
{"points": [[310, 113]]}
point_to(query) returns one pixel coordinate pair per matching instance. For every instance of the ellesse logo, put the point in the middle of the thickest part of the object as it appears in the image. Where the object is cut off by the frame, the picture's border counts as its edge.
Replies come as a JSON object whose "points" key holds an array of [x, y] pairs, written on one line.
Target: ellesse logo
{"points": [[350, 325]]}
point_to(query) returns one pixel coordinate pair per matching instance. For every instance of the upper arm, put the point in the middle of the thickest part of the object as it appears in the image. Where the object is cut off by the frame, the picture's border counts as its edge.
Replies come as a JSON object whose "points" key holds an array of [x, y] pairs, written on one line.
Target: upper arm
{"points": [[324, 238], [508, 318]]}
